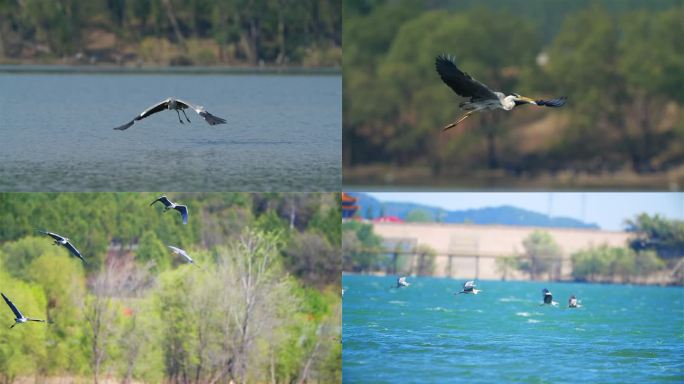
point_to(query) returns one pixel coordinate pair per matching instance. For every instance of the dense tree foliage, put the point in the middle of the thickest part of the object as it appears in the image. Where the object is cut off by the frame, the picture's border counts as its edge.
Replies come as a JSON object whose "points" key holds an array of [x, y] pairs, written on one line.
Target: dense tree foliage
{"points": [[207, 32], [263, 305], [656, 233], [623, 115], [606, 263]]}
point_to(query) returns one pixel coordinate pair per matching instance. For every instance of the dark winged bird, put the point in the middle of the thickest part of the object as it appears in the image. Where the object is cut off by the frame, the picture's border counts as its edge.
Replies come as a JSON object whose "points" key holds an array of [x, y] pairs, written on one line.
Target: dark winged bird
{"points": [[548, 297], [168, 204], [18, 317], [177, 105], [401, 282], [482, 98], [63, 241], [184, 254], [469, 288]]}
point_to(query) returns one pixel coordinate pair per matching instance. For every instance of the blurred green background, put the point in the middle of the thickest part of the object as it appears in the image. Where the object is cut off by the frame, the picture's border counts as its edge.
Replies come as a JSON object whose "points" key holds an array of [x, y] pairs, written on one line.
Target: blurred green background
{"points": [[171, 32], [620, 62]]}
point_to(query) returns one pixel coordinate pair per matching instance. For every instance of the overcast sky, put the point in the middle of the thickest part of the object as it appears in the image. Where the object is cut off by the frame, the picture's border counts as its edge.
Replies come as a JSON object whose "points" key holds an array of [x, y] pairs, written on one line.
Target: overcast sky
{"points": [[607, 209]]}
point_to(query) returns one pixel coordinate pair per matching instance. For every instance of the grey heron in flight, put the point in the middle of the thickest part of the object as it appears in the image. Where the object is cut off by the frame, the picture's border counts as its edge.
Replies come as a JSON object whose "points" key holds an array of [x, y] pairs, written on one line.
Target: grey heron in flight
{"points": [[168, 204], [185, 255], [469, 288], [401, 282], [64, 241], [177, 105], [19, 318], [482, 98]]}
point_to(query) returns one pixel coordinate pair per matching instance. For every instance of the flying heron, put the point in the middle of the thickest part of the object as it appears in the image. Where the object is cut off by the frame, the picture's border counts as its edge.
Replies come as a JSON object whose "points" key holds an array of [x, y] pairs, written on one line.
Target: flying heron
{"points": [[469, 288], [19, 318], [548, 297], [64, 241], [185, 255], [168, 204], [401, 282], [177, 105], [482, 98]]}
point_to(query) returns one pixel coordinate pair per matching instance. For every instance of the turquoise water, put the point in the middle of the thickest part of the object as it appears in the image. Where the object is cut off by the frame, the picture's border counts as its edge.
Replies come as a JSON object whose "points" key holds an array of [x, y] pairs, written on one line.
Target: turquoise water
{"points": [[424, 333]]}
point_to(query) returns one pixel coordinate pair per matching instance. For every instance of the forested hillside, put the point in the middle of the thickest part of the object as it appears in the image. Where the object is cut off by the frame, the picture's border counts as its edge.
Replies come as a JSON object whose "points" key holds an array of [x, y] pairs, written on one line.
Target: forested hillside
{"points": [[175, 32], [262, 302]]}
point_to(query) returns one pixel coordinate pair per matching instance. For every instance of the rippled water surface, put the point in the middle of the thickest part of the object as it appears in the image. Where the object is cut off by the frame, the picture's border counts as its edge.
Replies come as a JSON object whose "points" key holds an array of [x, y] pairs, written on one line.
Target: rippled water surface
{"points": [[283, 133], [424, 333]]}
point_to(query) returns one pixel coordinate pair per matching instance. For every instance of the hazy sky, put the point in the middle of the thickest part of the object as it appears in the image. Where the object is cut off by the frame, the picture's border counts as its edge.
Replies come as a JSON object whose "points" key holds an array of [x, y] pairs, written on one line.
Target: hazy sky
{"points": [[607, 209]]}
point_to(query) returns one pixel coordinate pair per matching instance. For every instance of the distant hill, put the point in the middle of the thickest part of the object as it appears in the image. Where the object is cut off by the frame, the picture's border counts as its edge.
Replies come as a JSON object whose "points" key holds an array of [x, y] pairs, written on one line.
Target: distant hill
{"points": [[503, 215]]}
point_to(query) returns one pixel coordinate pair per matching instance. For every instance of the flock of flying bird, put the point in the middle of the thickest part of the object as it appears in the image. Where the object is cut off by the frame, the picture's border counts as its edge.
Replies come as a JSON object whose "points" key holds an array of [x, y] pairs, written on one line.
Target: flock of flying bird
{"points": [[64, 241], [469, 288]]}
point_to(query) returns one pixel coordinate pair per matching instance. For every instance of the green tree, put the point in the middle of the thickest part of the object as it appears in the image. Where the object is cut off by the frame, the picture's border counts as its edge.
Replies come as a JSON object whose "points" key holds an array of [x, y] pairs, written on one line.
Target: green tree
{"points": [[542, 255], [152, 250]]}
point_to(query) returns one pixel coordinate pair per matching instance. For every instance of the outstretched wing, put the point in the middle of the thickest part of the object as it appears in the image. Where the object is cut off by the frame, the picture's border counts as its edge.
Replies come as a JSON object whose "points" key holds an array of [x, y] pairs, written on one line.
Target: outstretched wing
{"points": [[469, 285], [460, 82], [53, 235], [555, 103], [12, 307], [160, 106], [183, 211], [74, 251], [163, 199]]}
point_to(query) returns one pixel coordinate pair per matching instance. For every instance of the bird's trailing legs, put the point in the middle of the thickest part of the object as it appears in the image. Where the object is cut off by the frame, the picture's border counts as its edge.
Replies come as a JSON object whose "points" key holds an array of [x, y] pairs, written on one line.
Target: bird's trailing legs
{"points": [[186, 116], [457, 121], [179, 119]]}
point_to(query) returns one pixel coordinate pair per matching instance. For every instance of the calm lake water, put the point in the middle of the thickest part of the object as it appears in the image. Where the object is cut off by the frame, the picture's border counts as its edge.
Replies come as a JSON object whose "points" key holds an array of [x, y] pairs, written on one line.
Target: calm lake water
{"points": [[424, 333], [283, 133]]}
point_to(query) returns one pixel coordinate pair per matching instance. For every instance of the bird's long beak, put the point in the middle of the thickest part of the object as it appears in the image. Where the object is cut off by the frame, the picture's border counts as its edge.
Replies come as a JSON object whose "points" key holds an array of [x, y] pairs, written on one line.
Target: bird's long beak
{"points": [[527, 100]]}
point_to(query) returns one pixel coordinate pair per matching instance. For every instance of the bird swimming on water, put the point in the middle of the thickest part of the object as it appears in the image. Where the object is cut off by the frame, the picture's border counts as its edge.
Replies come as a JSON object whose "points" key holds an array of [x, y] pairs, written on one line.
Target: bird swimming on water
{"points": [[168, 204], [63, 241], [469, 288], [19, 318], [177, 105], [482, 98], [401, 282], [548, 297]]}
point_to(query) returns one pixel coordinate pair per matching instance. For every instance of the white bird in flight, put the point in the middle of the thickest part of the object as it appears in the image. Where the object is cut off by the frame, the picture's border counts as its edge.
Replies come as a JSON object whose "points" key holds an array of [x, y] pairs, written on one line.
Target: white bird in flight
{"points": [[401, 282], [469, 288], [19, 318], [168, 204], [177, 105], [185, 255]]}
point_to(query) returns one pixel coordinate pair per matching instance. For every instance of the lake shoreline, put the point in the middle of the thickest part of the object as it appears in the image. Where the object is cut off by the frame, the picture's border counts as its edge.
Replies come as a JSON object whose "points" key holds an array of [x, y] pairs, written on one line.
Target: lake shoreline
{"points": [[146, 70], [659, 283]]}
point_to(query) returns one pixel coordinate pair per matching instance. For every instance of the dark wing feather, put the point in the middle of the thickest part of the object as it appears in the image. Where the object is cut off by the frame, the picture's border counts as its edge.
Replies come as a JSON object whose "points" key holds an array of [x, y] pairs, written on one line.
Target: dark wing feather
{"points": [[162, 105], [74, 251], [460, 82], [12, 307], [183, 211], [211, 119], [555, 103], [163, 199], [53, 235]]}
